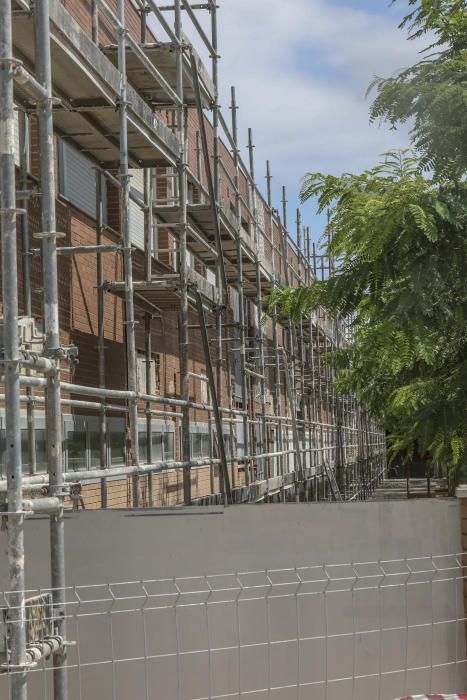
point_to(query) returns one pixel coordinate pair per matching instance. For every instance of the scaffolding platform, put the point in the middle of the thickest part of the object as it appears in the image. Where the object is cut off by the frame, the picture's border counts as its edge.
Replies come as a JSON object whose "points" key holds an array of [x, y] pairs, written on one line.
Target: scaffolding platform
{"points": [[201, 241], [164, 291], [87, 87], [163, 58]]}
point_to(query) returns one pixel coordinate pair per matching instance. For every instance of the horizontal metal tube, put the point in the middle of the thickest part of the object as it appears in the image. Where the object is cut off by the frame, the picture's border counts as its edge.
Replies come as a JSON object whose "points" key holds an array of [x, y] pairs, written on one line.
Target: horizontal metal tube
{"points": [[83, 249], [39, 364], [42, 505], [29, 84], [115, 394]]}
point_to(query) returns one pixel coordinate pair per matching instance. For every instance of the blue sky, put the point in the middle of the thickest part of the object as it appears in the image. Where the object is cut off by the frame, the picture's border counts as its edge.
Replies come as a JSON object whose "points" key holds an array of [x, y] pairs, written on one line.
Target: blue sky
{"points": [[301, 69]]}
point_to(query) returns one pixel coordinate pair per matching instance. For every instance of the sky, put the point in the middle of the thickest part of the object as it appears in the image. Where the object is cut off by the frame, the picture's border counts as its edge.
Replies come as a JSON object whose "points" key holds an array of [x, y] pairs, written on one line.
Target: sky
{"points": [[301, 69]]}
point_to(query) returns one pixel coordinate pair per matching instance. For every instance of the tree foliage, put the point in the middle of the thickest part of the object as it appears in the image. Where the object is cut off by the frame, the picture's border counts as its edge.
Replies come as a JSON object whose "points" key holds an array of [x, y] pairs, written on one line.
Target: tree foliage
{"points": [[432, 94], [398, 235]]}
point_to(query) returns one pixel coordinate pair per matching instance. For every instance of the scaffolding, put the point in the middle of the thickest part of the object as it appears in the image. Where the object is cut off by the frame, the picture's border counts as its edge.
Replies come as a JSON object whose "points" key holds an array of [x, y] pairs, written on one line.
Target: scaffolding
{"points": [[131, 99]]}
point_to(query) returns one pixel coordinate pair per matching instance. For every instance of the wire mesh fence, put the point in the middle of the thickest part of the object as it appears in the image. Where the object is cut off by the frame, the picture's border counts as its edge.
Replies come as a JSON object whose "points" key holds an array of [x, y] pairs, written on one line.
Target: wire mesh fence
{"points": [[376, 630]]}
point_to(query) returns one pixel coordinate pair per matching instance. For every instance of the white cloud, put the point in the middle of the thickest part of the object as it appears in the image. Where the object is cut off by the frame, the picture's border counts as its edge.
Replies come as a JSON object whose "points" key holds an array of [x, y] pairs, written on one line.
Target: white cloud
{"points": [[301, 69]]}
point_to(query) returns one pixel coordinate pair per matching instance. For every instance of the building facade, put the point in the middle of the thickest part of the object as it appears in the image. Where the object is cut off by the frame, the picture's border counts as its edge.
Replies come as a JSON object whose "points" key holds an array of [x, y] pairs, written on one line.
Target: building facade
{"points": [[166, 256]]}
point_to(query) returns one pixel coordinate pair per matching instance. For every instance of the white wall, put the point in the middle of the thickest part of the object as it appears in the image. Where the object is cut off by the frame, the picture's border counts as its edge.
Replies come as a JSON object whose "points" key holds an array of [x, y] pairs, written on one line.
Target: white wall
{"points": [[105, 547]]}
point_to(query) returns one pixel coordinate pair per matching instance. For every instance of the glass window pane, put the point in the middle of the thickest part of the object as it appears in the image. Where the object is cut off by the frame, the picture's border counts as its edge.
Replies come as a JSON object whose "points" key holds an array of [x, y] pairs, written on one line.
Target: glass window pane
{"points": [[95, 445], [168, 447], [41, 451], [76, 448], [25, 451], [205, 445], [117, 447], [157, 453], [196, 445], [2, 453], [143, 446]]}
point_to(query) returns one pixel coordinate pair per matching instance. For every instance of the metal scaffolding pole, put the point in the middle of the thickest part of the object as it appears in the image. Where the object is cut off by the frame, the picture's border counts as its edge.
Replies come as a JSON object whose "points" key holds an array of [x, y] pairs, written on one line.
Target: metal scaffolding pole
{"points": [[23, 123], [277, 372], [148, 251], [241, 297], [215, 403], [182, 238], [261, 430], [221, 283], [52, 335], [124, 177], [11, 360], [103, 461], [302, 341]]}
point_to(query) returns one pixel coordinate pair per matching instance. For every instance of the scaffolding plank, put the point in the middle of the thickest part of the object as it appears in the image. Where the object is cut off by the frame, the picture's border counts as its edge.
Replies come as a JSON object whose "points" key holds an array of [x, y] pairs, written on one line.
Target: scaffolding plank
{"points": [[163, 57]]}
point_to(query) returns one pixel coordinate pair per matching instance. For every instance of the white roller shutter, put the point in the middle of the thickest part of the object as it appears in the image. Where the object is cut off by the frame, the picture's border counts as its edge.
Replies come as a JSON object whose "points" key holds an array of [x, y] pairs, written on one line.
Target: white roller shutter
{"points": [[77, 178], [136, 213], [16, 145]]}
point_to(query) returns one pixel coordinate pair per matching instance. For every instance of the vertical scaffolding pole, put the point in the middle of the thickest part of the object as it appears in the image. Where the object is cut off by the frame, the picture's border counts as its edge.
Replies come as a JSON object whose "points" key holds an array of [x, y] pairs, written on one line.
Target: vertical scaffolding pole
{"points": [[101, 336], [302, 341], [215, 404], [261, 431], [23, 169], [11, 364], [149, 390], [183, 322], [52, 335], [127, 255], [148, 228], [311, 369], [220, 277], [277, 371], [241, 296]]}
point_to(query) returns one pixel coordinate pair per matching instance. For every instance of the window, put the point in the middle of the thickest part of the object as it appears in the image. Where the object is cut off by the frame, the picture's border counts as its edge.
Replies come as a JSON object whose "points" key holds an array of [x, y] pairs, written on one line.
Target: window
{"points": [[227, 445], [77, 178], [169, 447], [162, 446], [117, 448], [211, 276], [95, 448], [25, 451], [238, 375], [154, 373], [157, 448], [76, 450], [135, 211], [17, 144], [240, 440], [235, 302], [41, 452], [143, 446], [196, 445], [200, 445], [204, 388]]}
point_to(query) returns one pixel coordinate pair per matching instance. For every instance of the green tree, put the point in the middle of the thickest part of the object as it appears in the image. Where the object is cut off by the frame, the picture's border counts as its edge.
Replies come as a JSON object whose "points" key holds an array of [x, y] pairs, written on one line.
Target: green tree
{"points": [[398, 234], [432, 94]]}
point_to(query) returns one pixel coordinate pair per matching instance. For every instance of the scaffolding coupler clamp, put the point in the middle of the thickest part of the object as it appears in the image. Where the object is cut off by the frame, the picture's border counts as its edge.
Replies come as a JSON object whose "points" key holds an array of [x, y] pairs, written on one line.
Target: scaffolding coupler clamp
{"points": [[57, 490], [69, 353], [119, 103]]}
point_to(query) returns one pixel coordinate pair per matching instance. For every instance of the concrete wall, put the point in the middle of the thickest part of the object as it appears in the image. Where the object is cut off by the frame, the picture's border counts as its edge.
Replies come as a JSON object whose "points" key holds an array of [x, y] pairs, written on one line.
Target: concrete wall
{"points": [[335, 628]]}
